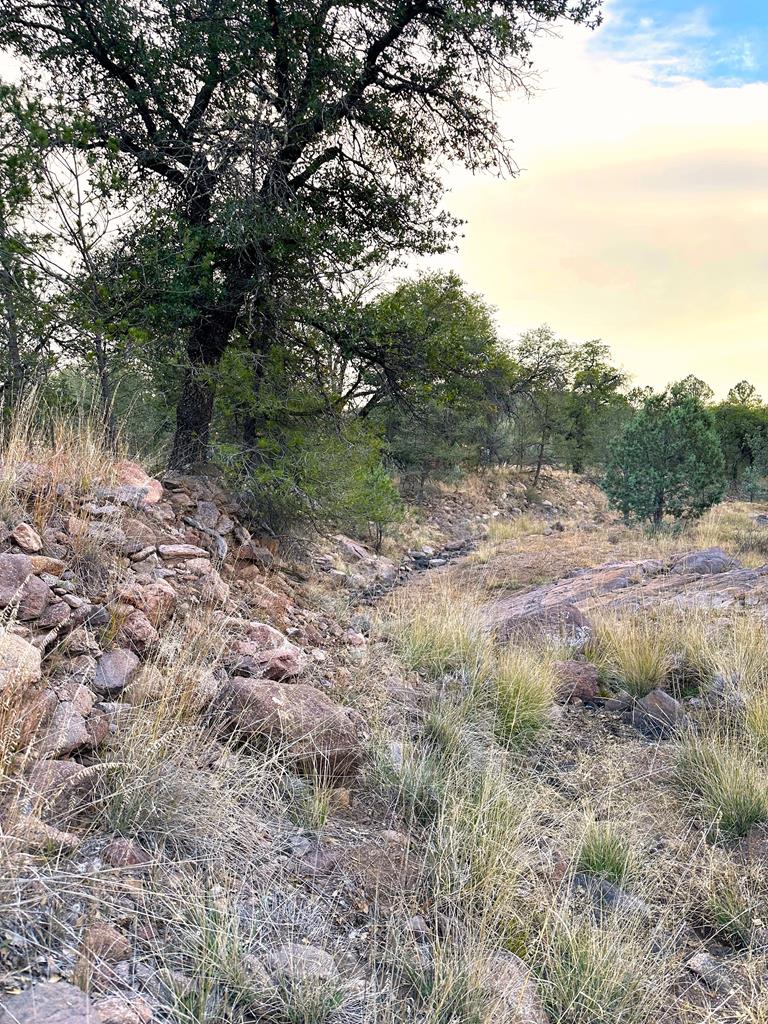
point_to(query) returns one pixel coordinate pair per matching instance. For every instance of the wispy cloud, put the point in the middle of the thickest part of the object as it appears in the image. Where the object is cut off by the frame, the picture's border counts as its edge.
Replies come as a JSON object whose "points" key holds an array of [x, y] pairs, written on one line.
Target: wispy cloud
{"points": [[668, 42]]}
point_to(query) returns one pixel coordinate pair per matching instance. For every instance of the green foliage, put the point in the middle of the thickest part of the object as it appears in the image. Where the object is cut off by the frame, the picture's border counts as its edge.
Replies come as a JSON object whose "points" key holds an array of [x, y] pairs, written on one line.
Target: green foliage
{"points": [[742, 426], [326, 475], [667, 461], [276, 148]]}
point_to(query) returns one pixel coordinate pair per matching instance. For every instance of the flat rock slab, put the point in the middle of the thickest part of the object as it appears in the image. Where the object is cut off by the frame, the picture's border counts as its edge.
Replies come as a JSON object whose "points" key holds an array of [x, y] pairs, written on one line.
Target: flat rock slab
{"points": [[49, 1003], [697, 579]]}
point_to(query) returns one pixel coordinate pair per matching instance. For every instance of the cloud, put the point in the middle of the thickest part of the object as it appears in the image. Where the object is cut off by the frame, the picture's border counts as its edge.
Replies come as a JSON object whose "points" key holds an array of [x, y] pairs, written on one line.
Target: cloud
{"points": [[714, 43]]}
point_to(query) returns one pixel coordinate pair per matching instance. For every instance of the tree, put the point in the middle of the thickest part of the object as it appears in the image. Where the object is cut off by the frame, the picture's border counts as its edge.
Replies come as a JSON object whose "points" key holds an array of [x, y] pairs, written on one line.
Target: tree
{"points": [[744, 393], [545, 362], [667, 461], [738, 423], [693, 387], [284, 141], [593, 403]]}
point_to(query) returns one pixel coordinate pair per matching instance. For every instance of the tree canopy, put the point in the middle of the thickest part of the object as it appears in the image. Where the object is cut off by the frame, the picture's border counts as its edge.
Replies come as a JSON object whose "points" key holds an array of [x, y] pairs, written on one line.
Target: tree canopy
{"points": [[275, 144]]}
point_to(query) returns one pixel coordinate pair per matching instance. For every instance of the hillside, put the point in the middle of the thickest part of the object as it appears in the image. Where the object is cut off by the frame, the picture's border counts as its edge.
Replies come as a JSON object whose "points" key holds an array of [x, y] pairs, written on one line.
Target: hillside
{"points": [[471, 780]]}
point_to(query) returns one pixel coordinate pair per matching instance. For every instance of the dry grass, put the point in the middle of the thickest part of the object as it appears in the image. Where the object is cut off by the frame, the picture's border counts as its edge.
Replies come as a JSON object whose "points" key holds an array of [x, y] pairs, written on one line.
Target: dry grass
{"points": [[73, 454], [729, 778], [630, 652]]}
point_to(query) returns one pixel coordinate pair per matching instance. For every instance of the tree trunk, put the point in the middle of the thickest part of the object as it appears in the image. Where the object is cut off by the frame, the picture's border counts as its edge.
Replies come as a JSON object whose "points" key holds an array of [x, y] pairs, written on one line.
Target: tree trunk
{"points": [[539, 460], [7, 287], [207, 342]]}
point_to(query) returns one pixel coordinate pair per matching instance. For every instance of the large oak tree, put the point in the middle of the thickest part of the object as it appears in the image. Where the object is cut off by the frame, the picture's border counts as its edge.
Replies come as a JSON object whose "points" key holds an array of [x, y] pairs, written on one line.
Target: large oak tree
{"points": [[282, 140]]}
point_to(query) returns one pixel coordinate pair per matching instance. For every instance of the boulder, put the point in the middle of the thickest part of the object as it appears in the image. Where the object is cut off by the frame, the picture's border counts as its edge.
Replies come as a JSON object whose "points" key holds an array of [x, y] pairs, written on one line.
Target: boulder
{"points": [[313, 732], [27, 538], [114, 671], [557, 622], [49, 1002], [703, 563]]}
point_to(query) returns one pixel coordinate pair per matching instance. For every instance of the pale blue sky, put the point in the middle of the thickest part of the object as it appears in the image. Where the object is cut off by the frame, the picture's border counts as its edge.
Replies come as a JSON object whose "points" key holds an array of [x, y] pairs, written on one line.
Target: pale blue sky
{"points": [[721, 41]]}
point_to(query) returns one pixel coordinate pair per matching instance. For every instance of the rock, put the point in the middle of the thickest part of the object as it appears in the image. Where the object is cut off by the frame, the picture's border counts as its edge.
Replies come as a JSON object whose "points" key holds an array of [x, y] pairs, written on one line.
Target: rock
{"points": [[33, 600], [131, 475], [159, 599], [56, 614], [181, 552], [352, 550], [15, 578], [60, 789], [659, 714], [102, 941], [313, 732], [137, 632], [125, 853], [114, 671], [119, 1009], [48, 1002], [27, 538], [30, 478], [576, 681], [19, 663], [46, 564], [147, 685], [711, 971], [253, 552], [296, 963], [558, 622], [66, 733], [703, 563], [512, 992], [607, 896], [277, 663]]}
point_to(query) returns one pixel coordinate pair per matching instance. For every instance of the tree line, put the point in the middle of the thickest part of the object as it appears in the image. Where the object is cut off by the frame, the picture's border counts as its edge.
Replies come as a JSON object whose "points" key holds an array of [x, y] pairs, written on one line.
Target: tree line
{"points": [[204, 206]]}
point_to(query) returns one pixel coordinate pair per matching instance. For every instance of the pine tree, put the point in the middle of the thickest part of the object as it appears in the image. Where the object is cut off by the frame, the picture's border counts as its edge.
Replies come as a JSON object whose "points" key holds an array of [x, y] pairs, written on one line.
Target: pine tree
{"points": [[667, 461]]}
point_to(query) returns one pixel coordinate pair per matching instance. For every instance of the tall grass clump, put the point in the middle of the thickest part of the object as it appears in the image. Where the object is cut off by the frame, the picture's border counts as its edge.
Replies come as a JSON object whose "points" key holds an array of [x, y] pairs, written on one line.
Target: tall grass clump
{"points": [[594, 974], [631, 651], [729, 778], [606, 851], [501, 530], [521, 683], [438, 630], [72, 452]]}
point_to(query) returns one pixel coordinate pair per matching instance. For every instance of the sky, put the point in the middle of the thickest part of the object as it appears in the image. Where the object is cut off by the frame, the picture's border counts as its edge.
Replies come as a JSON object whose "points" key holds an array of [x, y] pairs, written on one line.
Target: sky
{"points": [[640, 211]]}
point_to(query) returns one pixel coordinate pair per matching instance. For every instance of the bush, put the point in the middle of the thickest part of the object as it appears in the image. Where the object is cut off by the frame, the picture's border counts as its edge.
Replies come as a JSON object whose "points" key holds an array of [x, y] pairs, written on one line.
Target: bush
{"points": [[329, 475]]}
